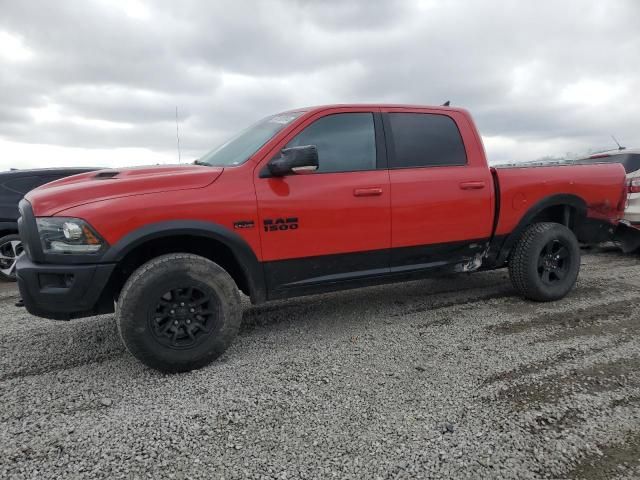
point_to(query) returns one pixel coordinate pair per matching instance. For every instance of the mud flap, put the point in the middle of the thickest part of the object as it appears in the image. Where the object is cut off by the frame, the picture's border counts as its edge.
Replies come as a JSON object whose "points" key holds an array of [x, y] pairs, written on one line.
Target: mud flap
{"points": [[628, 237]]}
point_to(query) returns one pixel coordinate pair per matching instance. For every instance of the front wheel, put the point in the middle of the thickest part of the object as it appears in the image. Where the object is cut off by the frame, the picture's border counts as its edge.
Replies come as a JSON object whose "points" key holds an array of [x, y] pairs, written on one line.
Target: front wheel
{"points": [[178, 312], [10, 250], [545, 262]]}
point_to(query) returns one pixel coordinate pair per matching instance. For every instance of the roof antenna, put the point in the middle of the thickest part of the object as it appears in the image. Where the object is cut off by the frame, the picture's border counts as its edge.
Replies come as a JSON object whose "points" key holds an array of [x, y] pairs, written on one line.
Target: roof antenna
{"points": [[178, 137], [620, 147], [447, 103]]}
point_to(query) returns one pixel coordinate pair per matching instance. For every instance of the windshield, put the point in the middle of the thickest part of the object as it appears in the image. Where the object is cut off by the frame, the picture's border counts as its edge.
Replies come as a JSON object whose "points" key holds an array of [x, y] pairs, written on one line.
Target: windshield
{"points": [[238, 149]]}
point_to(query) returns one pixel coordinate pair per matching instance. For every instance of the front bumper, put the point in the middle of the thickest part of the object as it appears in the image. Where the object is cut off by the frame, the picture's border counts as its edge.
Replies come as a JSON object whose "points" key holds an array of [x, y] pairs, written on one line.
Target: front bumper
{"points": [[60, 286], [62, 292]]}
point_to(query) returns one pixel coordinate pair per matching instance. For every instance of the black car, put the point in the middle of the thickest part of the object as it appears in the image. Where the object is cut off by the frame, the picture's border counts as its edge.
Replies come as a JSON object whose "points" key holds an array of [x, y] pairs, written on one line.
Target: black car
{"points": [[14, 184]]}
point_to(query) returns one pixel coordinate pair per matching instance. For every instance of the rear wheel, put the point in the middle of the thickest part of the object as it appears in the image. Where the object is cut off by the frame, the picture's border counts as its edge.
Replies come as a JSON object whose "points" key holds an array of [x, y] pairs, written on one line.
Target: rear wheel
{"points": [[545, 262], [10, 250], [178, 312]]}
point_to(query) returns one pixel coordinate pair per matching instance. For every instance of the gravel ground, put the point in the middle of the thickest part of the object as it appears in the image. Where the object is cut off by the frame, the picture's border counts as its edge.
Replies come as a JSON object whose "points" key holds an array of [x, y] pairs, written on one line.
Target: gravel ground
{"points": [[445, 378]]}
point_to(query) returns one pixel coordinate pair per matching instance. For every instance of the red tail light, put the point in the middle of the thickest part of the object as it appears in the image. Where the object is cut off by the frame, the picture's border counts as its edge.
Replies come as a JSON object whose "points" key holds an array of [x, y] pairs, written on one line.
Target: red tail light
{"points": [[634, 185]]}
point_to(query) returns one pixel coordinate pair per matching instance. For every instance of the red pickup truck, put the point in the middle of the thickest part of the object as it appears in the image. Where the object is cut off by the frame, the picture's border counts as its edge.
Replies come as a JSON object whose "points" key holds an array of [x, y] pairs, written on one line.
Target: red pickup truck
{"points": [[302, 202]]}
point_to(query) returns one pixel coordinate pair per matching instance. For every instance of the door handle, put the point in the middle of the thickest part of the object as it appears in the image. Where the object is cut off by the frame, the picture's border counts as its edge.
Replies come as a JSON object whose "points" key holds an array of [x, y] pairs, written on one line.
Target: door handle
{"points": [[367, 192], [472, 185]]}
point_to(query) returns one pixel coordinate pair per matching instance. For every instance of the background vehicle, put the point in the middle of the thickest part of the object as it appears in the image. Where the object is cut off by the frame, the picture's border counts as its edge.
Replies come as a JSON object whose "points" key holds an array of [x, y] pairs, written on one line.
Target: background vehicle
{"points": [[302, 202], [629, 158], [13, 186], [628, 232]]}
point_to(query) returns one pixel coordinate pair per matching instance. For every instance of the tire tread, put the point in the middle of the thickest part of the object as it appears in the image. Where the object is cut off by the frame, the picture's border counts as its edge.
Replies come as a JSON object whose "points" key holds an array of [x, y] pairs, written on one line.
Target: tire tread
{"points": [[520, 256], [156, 266]]}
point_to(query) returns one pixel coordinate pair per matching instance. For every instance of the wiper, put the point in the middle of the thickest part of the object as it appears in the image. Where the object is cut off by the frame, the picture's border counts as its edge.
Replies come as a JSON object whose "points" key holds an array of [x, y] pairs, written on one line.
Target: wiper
{"points": [[198, 162]]}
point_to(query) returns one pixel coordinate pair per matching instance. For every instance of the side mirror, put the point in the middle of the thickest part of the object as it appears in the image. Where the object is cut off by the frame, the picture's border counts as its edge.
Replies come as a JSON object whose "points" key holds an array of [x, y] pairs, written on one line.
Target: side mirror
{"points": [[294, 160]]}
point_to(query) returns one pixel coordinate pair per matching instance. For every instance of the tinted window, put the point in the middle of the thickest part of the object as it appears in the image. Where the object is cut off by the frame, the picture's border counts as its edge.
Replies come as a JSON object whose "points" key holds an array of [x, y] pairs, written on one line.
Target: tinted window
{"points": [[346, 142], [25, 184], [630, 161], [423, 140]]}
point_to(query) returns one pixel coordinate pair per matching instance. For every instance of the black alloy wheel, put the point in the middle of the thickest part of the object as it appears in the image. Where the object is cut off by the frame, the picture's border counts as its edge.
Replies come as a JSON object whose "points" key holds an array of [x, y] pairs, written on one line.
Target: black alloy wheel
{"points": [[553, 262], [182, 317]]}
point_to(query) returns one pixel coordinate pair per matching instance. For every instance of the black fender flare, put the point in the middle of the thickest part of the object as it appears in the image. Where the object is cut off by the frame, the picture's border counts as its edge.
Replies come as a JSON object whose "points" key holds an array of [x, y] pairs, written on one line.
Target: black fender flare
{"points": [[559, 200], [243, 253]]}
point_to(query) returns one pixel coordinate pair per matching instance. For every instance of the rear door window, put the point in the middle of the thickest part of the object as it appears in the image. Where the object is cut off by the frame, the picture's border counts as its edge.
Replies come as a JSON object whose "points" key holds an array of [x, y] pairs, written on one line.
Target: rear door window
{"points": [[424, 140]]}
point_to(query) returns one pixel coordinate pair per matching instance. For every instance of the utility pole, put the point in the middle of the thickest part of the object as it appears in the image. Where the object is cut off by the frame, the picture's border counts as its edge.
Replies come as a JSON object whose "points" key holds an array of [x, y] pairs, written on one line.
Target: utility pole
{"points": [[178, 137]]}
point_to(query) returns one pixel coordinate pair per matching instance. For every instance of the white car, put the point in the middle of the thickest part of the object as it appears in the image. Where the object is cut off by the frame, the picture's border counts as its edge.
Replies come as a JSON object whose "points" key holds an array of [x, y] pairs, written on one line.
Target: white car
{"points": [[629, 233]]}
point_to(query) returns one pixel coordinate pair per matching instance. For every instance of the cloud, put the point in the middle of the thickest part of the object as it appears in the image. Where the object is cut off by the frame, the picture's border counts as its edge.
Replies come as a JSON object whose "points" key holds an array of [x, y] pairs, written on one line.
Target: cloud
{"points": [[105, 75]]}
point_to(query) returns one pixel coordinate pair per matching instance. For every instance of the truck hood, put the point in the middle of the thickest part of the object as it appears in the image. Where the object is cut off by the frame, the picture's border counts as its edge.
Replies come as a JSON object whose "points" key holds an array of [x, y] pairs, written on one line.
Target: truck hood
{"points": [[101, 185]]}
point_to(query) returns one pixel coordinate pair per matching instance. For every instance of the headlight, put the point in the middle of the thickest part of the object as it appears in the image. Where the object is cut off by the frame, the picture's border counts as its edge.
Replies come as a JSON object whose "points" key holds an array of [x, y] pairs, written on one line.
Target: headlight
{"points": [[68, 235]]}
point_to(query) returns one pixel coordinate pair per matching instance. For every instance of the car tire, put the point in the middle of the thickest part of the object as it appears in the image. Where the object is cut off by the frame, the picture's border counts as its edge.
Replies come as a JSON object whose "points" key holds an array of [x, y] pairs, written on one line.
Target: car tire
{"points": [[10, 250], [178, 312], [545, 262]]}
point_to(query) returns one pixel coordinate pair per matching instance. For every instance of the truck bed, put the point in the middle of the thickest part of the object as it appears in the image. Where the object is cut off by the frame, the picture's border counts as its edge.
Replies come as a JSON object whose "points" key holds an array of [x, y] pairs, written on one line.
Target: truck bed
{"points": [[595, 189]]}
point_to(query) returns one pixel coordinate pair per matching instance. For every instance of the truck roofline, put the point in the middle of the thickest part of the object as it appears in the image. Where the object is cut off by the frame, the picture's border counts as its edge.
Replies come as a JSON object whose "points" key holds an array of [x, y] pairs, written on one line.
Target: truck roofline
{"points": [[320, 108]]}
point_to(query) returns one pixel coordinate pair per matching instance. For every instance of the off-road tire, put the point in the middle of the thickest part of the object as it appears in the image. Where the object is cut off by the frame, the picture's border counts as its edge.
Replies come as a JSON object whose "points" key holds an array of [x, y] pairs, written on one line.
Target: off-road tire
{"points": [[527, 276], [142, 295]]}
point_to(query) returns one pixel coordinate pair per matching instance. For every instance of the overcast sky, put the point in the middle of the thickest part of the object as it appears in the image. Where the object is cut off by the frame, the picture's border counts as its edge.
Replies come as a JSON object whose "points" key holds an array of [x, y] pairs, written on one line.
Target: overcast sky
{"points": [[97, 82]]}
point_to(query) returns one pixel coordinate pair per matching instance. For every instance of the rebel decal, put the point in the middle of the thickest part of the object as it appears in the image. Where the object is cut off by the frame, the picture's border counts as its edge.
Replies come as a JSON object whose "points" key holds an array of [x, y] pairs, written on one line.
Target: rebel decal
{"points": [[243, 224]]}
